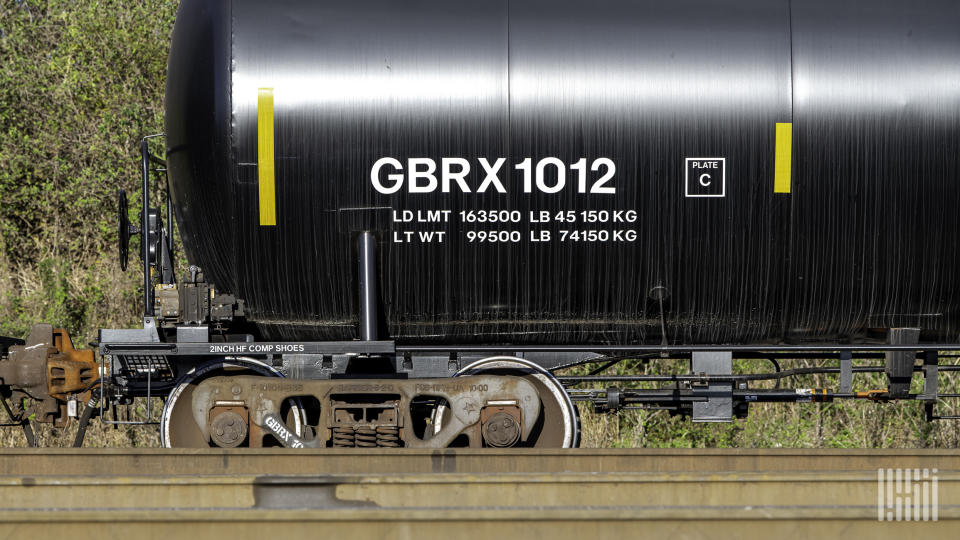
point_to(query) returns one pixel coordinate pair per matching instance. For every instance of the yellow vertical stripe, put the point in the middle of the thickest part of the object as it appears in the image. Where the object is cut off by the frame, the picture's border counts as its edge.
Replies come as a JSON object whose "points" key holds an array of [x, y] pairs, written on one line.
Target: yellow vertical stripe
{"points": [[265, 179], [783, 159]]}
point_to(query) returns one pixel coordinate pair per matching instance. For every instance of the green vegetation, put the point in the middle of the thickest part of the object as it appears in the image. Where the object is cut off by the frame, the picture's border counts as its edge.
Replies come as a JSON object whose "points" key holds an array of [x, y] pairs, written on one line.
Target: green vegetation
{"points": [[82, 81]]}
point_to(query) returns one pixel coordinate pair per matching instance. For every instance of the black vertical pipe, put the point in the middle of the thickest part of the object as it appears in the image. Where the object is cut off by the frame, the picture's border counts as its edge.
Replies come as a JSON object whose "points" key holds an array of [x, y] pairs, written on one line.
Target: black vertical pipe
{"points": [[168, 277], [367, 246], [145, 227]]}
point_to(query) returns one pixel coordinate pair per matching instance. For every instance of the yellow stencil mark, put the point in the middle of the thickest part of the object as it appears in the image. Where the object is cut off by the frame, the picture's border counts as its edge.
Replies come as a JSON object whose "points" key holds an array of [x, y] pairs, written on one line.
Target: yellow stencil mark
{"points": [[783, 158], [266, 191]]}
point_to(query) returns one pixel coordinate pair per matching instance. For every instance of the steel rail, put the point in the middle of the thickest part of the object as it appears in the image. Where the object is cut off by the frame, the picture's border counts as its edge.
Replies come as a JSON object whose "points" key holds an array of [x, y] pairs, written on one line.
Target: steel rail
{"points": [[151, 461]]}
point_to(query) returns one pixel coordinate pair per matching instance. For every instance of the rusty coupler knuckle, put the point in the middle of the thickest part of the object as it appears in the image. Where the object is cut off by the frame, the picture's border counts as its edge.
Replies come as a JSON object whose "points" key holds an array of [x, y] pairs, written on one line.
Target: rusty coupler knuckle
{"points": [[49, 371]]}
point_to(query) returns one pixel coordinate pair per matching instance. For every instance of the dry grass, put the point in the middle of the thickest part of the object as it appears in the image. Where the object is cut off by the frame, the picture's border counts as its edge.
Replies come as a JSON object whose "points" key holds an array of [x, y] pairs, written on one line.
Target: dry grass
{"points": [[841, 424], [99, 434]]}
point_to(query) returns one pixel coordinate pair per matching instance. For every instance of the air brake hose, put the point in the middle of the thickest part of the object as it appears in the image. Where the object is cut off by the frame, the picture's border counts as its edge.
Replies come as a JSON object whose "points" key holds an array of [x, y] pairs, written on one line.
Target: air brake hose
{"points": [[89, 410]]}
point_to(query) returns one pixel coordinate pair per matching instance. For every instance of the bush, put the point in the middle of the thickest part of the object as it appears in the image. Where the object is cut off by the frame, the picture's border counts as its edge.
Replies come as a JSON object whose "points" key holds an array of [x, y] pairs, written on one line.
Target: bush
{"points": [[80, 83]]}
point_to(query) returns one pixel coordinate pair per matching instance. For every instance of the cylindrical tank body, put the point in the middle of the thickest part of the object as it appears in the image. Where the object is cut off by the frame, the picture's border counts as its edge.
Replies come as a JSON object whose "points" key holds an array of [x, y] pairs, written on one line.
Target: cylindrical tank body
{"points": [[734, 172]]}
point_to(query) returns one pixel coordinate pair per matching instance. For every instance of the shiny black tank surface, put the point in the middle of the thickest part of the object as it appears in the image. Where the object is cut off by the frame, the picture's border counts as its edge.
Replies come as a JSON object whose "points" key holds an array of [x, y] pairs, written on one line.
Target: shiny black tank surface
{"points": [[546, 171]]}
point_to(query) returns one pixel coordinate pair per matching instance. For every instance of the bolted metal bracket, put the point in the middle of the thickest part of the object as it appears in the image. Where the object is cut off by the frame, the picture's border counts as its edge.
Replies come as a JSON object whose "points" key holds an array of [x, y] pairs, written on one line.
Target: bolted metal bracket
{"points": [[718, 406], [846, 372], [899, 364]]}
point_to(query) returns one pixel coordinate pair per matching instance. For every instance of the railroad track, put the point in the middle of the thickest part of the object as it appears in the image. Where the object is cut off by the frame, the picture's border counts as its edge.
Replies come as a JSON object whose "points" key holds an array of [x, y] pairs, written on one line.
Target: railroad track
{"points": [[493, 494], [147, 461]]}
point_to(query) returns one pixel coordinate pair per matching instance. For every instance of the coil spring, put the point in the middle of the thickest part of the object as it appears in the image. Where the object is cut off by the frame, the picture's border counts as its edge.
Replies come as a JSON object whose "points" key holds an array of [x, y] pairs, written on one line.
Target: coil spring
{"points": [[366, 437], [388, 437], [344, 437]]}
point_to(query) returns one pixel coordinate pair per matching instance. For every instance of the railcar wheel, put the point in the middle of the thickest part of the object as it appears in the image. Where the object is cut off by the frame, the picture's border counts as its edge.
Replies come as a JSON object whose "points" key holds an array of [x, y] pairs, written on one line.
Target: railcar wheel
{"points": [[178, 429], [559, 422]]}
